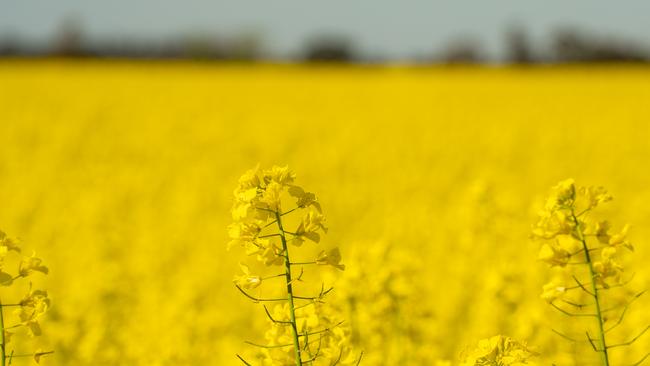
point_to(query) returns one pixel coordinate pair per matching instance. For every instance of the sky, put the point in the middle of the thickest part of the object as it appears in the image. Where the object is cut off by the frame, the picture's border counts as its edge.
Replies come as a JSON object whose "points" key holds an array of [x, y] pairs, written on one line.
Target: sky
{"points": [[391, 28]]}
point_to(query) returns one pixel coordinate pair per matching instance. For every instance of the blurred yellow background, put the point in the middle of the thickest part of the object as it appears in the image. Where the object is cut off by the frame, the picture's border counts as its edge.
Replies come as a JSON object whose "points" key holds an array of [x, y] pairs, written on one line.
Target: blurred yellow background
{"points": [[120, 175]]}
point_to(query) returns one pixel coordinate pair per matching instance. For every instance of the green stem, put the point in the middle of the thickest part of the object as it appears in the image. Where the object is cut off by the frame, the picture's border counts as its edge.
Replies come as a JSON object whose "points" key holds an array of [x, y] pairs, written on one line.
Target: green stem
{"points": [[2, 336], [292, 310], [594, 287]]}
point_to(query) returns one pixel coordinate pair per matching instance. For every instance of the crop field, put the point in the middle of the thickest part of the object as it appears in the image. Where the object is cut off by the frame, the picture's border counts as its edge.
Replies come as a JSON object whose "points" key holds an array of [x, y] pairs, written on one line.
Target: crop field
{"points": [[120, 176]]}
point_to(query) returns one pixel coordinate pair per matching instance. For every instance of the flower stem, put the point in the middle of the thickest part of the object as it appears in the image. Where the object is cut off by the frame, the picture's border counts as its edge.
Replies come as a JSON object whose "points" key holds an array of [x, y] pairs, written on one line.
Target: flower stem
{"points": [[592, 273], [292, 310]]}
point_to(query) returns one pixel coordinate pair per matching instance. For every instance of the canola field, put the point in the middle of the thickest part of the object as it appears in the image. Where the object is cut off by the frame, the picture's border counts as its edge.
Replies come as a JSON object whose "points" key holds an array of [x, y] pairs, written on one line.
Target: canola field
{"points": [[120, 175]]}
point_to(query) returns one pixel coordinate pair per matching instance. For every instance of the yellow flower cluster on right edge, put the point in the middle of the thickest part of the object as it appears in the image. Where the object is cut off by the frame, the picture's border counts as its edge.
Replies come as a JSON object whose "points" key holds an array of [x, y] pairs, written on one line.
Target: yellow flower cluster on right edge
{"points": [[586, 255]]}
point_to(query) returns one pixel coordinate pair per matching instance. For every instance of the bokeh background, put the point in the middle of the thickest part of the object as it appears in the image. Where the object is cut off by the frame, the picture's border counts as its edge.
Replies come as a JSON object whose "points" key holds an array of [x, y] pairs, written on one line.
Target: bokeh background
{"points": [[430, 130]]}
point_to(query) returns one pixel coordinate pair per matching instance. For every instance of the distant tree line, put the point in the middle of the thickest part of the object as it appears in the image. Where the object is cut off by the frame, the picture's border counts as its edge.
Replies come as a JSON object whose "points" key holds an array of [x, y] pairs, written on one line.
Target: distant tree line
{"points": [[567, 45]]}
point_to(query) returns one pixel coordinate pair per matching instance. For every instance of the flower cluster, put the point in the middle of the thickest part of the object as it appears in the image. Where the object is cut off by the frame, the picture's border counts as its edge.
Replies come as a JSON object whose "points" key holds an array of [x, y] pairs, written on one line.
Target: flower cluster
{"points": [[499, 350], [299, 333], [258, 205], [585, 254], [566, 227], [30, 309]]}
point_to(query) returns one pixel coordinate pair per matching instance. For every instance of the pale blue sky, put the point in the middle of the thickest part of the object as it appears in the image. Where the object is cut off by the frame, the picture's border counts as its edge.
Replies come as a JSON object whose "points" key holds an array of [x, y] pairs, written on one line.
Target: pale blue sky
{"points": [[398, 28]]}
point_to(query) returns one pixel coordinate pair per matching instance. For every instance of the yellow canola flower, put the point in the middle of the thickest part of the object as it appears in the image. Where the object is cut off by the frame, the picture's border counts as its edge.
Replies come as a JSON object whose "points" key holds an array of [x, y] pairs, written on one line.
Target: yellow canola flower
{"points": [[5, 278], [246, 195], [31, 264], [568, 243], [331, 257], [250, 179], [243, 233], [304, 199], [271, 255], [8, 243], [594, 196], [559, 252], [608, 269], [257, 201], [553, 255], [271, 198], [247, 280], [33, 306], [621, 238], [600, 230], [240, 211], [553, 291], [562, 195], [552, 224], [279, 174], [608, 253], [309, 227], [565, 202]]}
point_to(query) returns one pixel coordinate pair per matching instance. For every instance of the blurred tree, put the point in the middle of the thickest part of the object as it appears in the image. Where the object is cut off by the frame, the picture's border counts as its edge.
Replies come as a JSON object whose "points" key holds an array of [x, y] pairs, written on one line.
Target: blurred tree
{"points": [[329, 48], [69, 37], [569, 45], [518, 48], [463, 50]]}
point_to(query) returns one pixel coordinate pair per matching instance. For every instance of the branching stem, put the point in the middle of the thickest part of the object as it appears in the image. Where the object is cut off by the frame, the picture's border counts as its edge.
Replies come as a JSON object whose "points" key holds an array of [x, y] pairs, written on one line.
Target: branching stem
{"points": [[290, 296], [594, 287]]}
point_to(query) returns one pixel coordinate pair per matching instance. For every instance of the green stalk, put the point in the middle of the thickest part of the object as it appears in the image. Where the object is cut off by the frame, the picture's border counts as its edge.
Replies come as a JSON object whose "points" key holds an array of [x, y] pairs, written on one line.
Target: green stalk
{"points": [[292, 309], [2, 336], [599, 314]]}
